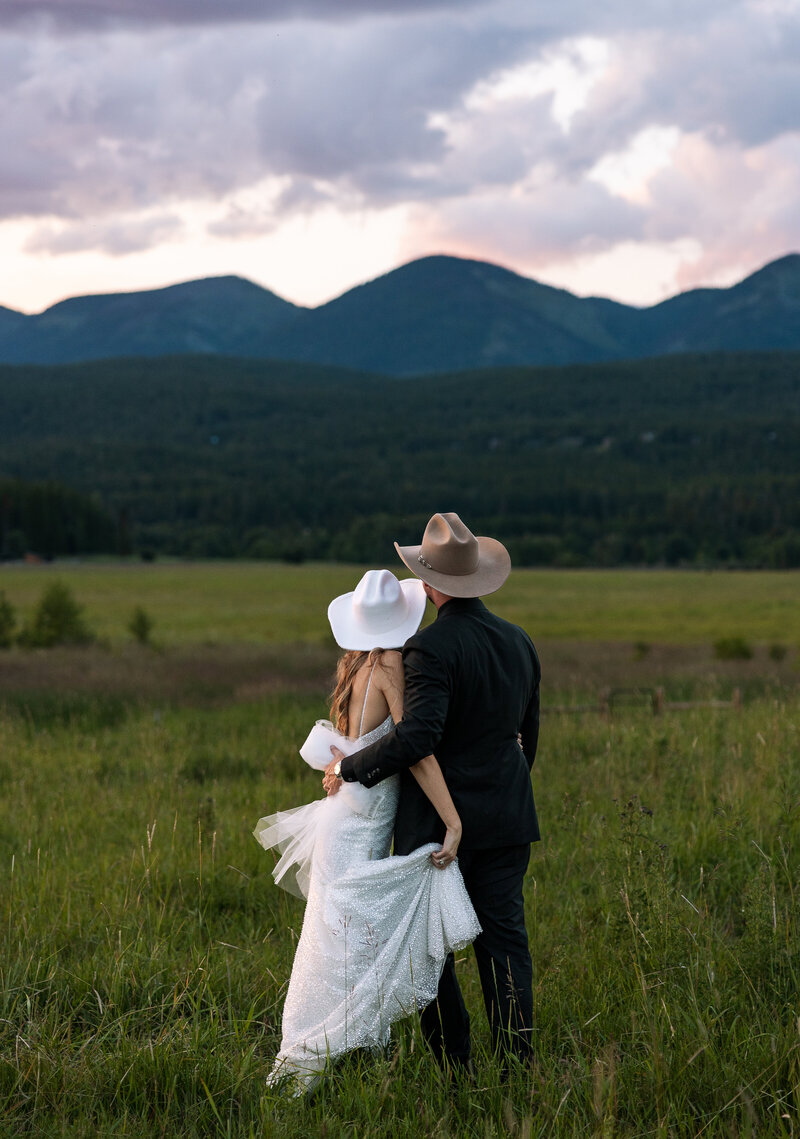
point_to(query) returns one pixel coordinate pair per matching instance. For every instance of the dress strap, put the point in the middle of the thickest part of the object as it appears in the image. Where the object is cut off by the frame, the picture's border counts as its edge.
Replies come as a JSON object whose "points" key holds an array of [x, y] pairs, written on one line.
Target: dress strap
{"points": [[366, 694]]}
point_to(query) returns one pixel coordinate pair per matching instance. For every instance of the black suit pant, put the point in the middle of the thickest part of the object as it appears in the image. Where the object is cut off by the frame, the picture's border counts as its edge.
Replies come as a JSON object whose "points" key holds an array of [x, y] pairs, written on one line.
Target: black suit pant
{"points": [[494, 883]]}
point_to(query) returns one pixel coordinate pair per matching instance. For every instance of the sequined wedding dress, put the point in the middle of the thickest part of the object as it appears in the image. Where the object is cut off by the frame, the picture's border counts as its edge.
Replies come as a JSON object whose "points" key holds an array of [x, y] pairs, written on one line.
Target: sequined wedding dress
{"points": [[377, 928]]}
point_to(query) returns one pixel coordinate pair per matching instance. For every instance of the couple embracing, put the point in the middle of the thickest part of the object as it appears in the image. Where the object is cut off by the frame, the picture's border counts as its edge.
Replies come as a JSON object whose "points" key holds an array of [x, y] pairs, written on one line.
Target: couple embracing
{"points": [[429, 754]]}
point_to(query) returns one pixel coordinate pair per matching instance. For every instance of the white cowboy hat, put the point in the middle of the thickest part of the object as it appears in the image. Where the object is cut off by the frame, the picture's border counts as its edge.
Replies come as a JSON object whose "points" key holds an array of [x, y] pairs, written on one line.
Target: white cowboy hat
{"points": [[454, 561], [380, 613]]}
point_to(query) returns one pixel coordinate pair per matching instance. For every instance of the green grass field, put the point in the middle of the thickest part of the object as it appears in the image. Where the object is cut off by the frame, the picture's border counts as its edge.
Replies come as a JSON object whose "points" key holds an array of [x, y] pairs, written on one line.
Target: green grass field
{"points": [[224, 602], [144, 949]]}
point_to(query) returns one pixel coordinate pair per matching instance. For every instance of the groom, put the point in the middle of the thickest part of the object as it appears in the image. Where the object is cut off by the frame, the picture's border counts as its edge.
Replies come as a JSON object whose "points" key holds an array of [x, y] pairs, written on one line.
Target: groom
{"points": [[472, 694]]}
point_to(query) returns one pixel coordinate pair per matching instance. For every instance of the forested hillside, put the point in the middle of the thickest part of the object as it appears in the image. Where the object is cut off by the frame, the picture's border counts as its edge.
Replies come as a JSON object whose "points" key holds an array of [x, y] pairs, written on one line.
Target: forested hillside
{"points": [[691, 459], [436, 314], [50, 519]]}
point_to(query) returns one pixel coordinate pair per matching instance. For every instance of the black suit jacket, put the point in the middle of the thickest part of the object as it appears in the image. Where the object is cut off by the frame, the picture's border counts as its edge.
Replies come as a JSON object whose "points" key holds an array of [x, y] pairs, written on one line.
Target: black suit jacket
{"points": [[472, 684]]}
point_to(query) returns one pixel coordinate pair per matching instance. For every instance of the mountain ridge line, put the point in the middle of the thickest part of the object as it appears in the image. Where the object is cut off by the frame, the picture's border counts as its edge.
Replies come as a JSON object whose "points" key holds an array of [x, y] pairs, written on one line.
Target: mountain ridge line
{"points": [[435, 314]]}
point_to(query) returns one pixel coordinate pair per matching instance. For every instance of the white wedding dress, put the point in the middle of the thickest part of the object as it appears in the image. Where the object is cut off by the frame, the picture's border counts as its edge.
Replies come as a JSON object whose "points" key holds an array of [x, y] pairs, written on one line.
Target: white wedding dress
{"points": [[377, 928]]}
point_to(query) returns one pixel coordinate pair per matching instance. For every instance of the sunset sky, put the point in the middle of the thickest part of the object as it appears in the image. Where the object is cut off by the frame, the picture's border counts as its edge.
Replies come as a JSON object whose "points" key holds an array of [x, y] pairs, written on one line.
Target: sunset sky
{"points": [[625, 148]]}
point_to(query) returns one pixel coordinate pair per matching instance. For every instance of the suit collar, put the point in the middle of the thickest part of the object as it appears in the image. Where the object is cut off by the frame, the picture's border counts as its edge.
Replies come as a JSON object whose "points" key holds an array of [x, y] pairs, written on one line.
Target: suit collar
{"points": [[457, 605]]}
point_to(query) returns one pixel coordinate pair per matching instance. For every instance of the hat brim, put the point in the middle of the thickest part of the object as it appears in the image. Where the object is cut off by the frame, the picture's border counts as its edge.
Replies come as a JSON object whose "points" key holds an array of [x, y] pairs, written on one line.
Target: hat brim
{"points": [[348, 635], [494, 566]]}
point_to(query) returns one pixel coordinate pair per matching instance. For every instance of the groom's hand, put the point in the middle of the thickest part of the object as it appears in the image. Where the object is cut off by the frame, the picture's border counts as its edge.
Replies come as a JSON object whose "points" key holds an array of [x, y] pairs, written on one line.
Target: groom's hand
{"points": [[329, 781]]}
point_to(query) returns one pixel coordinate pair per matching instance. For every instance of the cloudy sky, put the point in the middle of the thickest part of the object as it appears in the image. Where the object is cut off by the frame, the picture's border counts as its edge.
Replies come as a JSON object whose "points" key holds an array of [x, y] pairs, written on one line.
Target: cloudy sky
{"points": [[626, 148]]}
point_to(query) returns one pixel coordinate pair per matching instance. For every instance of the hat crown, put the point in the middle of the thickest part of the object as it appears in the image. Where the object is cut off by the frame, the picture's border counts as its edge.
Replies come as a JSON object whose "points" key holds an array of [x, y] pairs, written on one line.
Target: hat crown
{"points": [[380, 613], [449, 547], [455, 561], [379, 603]]}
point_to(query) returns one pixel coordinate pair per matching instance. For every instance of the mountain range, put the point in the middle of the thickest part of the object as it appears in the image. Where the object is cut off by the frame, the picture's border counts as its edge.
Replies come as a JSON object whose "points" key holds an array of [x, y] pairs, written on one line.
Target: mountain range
{"points": [[436, 314]]}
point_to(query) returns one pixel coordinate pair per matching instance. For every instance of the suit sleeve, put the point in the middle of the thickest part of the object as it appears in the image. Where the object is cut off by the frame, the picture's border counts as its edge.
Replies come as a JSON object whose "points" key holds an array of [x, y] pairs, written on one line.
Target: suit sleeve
{"points": [[529, 729], [425, 704]]}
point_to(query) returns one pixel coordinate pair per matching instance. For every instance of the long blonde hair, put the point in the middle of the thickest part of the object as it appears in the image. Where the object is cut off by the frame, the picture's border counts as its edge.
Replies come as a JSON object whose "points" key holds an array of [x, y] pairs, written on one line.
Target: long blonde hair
{"points": [[347, 667]]}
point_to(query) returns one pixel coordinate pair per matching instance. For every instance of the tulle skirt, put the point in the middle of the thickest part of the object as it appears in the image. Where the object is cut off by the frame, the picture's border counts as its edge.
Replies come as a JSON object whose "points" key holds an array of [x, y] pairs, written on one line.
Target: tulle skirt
{"points": [[376, 932]]}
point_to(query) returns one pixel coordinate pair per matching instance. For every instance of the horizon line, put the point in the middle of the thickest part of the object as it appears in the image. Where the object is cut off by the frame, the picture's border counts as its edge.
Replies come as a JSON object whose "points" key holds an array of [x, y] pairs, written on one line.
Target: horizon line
{"points": [[389, 272]]}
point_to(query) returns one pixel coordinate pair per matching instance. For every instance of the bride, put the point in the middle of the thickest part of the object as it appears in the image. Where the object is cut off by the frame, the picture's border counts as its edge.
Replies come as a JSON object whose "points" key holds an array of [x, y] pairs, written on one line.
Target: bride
{"points": [[377, 928]]}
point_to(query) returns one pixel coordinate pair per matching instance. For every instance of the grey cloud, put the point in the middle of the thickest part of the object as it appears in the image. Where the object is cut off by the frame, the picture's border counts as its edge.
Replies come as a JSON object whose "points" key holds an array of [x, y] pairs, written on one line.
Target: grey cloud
{"points": [[559, 220], [102, 14], [90, 133], [163, 117], [256, 219], [116, 238], [569, 17], [496, 152], [142, 117], [737, 81], [302, 194], [241, 223], [347, 110], [550, 22]]}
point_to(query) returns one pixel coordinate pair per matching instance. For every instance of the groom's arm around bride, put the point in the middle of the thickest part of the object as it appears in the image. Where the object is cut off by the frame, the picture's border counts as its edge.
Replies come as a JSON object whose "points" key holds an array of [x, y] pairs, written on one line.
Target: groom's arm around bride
{"points": [[472, 693]]}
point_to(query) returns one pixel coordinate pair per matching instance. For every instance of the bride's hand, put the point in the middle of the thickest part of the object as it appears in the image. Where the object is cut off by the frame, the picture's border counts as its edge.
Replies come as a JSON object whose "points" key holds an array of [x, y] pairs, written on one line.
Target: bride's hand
{"points": [[449, 848], [330, 782]]}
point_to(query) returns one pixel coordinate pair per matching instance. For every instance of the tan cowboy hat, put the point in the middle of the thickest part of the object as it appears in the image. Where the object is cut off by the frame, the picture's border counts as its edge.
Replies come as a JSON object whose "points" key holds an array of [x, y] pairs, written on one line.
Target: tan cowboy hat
{"points": [[380, 613], [454, 561]]}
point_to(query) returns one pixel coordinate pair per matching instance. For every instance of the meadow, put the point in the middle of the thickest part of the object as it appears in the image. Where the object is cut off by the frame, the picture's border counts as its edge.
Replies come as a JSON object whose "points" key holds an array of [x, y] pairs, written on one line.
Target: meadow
{"points": [[262, 602], [144, 949]]}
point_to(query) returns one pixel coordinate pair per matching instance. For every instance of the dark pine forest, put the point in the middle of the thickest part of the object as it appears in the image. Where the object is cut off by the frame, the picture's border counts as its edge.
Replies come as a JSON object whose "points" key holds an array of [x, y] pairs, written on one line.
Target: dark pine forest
{"points": [[677, 460]]}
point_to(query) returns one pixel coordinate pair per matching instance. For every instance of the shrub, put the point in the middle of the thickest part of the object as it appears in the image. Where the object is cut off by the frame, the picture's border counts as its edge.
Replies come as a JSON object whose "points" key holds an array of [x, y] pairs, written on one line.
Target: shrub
{"points": [[7, 621], [57, 620], [732, 648], [140, 625], [777, 651]]}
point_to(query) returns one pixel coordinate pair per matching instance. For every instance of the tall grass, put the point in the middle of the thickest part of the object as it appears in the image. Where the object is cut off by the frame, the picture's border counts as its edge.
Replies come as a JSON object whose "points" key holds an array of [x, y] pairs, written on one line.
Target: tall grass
{"points": [[144, 950]]}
